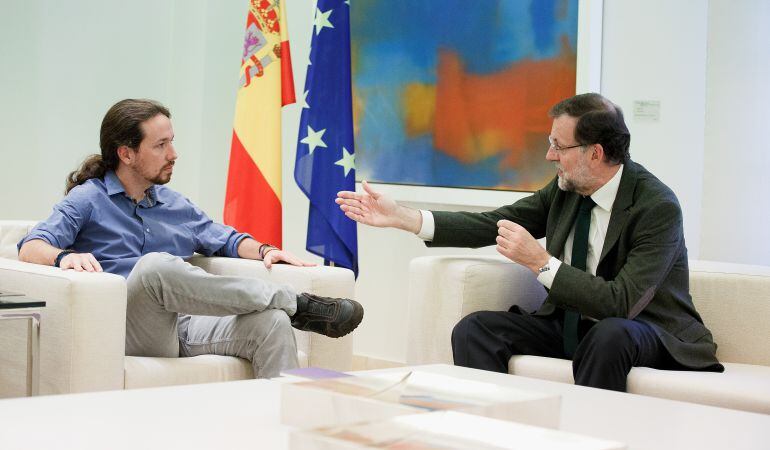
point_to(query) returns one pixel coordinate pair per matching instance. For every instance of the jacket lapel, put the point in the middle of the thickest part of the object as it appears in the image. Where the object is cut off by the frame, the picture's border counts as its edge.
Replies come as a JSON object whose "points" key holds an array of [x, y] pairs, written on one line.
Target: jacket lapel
{"points": [[563, 225], [623, 202]]}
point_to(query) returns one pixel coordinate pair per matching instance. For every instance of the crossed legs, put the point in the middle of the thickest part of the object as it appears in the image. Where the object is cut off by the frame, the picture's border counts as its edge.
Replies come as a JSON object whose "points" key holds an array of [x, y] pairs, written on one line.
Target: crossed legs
{"points": [[170, 300]]}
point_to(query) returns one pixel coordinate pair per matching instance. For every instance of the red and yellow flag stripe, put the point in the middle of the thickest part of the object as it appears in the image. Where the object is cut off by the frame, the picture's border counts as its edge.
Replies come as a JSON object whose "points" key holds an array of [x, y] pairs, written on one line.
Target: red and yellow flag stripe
{"points": [[253, 199]]}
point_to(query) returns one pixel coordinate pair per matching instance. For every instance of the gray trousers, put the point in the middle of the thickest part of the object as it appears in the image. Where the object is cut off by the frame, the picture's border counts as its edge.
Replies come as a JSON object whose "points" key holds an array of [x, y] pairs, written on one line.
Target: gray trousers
{"points": [[177, 309]]}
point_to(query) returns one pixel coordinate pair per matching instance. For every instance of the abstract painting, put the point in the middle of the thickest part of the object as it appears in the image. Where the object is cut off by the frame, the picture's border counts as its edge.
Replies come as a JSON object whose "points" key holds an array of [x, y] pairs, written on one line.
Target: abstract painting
{"points": [[456, 93]]}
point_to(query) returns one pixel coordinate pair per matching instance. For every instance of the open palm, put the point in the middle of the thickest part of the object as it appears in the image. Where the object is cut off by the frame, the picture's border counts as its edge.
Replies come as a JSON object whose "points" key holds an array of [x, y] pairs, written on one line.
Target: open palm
{"points": [[370, 207]]}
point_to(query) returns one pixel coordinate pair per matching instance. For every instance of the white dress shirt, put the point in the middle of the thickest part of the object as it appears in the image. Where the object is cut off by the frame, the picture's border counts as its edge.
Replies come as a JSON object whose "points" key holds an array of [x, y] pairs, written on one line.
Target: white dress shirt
{"points": [[604, 197]]}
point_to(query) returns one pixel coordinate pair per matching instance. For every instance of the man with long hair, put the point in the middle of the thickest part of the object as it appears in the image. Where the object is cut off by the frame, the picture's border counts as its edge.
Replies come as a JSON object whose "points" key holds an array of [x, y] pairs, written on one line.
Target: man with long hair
{"points": [[118, 216]]}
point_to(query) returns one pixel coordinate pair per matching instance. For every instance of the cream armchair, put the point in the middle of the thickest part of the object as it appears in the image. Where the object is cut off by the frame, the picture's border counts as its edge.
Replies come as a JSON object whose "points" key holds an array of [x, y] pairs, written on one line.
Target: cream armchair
{"points": [[733, 300], [83, 327]]}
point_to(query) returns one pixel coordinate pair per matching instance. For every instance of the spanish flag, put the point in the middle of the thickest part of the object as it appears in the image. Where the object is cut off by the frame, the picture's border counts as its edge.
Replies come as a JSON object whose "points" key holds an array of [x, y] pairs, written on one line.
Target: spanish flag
{"points": [[253, 199]]}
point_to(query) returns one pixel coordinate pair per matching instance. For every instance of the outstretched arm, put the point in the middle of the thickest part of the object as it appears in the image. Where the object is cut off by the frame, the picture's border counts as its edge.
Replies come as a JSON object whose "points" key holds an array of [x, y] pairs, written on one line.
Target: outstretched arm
{"points": [[378, 210]]}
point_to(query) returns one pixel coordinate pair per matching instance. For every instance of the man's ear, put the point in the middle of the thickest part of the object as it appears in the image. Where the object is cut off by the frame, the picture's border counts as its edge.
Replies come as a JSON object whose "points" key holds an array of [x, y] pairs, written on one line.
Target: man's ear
{"points": [[597, 153], [126, 154]]}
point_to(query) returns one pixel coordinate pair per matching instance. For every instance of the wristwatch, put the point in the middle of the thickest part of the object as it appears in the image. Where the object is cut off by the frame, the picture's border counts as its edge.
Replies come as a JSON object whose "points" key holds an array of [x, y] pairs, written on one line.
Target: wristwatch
{"points": [[545, 268]]}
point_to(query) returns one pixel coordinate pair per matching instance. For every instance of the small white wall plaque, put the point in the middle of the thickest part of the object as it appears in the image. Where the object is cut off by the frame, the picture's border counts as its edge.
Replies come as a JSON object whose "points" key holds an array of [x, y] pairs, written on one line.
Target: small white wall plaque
{"points": [[647, 110]]}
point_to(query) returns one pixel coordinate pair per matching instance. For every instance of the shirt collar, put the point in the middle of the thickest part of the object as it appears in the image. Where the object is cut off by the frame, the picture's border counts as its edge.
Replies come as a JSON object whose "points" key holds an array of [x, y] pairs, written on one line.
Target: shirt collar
{"points": [[114, 186], [604, 197]]}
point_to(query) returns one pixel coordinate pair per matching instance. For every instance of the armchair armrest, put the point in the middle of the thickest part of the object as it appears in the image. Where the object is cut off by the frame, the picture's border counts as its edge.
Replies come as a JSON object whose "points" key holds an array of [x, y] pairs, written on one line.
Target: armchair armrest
{"points": [[322, 351], [444, 289], [82, 330]]}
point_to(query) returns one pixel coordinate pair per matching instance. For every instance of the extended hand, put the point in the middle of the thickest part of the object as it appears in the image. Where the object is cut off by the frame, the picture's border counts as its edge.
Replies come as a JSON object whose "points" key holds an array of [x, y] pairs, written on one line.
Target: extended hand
{"points": [[278, 255], [370, 208], [80, 262], [515, 243]]}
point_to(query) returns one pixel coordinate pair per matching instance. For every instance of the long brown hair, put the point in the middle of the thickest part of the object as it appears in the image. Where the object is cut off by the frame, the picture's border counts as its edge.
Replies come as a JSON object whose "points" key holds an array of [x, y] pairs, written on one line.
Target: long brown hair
{"points": [[120, 126]]}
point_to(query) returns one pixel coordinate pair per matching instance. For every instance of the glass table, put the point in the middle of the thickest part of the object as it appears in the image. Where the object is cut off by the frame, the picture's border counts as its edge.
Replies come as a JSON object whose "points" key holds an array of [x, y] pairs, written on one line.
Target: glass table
{"points": [[14, 306]]}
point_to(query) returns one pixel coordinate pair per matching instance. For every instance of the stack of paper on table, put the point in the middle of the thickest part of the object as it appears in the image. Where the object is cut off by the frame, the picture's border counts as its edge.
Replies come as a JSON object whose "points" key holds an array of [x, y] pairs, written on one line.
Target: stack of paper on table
{"points": [[444, 430], [373, 397]]}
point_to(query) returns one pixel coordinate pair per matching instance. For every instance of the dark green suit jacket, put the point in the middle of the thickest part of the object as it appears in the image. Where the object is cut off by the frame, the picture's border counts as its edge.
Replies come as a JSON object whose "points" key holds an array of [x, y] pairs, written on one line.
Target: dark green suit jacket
{"points": [[642, 273]]}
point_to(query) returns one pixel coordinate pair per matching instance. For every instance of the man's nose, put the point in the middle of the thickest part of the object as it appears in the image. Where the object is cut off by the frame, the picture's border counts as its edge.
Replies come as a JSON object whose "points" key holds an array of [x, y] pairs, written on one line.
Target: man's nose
{"points": [[171, 155], [551, 154]]}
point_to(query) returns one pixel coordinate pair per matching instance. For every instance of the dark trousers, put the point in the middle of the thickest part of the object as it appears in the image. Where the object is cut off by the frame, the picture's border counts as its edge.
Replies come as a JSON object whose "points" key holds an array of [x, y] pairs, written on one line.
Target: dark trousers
{"points": [[606, 352]]}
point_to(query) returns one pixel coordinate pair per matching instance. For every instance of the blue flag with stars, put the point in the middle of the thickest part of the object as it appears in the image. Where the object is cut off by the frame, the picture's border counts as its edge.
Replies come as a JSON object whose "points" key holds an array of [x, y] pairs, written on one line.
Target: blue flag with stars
{"points": [[325, 161]]}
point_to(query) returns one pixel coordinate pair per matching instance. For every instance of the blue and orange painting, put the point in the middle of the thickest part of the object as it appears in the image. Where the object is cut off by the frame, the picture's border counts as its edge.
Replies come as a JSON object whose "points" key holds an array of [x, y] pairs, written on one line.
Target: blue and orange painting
{"points": [[456, 93]]}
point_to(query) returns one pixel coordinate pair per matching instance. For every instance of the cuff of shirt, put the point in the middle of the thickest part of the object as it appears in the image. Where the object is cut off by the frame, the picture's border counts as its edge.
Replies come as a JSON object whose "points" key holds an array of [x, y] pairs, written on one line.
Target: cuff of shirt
{"points": [[38, 234], [231, 248], [428, 228], [546, 278]]}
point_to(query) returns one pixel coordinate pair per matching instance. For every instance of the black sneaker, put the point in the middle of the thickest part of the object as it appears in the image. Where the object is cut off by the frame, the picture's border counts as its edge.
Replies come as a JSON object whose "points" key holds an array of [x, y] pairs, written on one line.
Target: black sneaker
{"points": [[333, 317]]}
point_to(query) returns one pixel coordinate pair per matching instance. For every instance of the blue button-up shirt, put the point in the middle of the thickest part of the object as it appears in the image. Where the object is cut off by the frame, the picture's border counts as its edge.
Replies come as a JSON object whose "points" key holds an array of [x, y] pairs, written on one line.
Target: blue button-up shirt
{"points": [[98, 217]]}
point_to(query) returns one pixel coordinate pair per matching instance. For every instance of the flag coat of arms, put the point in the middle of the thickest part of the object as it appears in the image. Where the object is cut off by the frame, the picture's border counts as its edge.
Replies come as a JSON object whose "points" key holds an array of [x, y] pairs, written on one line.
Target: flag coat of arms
{"points": [[253, 198], [325, 161]]}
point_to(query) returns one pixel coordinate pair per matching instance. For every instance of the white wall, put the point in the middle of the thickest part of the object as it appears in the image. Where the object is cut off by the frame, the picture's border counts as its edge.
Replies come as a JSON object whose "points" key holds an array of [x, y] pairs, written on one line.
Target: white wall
{"points": [[736, 182], [656, 50], [64, 64]]}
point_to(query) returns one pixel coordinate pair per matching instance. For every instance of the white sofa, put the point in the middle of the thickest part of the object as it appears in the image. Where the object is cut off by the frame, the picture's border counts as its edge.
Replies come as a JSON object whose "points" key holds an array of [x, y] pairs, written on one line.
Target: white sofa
{"points": [[83, 327], [733, 300]]}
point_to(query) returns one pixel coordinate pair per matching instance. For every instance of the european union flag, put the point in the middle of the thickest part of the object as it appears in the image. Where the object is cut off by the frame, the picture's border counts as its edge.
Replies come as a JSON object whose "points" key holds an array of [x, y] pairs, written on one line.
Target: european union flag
{"points": [[325, 153]]}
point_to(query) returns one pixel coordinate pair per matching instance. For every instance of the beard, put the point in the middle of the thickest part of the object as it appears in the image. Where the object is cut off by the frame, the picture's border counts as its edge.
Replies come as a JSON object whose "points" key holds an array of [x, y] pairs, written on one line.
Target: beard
{"points": [[577, 182], [161, 177], [565, 184]]}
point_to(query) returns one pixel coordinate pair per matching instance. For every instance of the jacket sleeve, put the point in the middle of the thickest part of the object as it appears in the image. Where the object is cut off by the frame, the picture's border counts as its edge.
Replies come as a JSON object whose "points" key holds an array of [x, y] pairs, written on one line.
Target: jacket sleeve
{"points": [[466, 229]]}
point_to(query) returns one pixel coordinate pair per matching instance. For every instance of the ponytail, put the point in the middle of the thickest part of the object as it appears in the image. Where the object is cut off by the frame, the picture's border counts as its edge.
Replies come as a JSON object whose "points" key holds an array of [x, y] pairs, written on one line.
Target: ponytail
{"points": [[93, 167]]}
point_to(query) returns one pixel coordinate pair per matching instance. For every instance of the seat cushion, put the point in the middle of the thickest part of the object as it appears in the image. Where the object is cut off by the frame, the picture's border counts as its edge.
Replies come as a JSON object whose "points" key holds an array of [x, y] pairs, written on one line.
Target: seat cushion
{"points": [[143, 372], [741, 386], [544, 368]]}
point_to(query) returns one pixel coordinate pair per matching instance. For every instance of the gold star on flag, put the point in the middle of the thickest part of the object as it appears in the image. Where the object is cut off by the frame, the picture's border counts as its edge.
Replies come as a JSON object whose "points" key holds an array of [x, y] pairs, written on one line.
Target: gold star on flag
{"points": [[321, 20], [313, 139], [348, 161]]}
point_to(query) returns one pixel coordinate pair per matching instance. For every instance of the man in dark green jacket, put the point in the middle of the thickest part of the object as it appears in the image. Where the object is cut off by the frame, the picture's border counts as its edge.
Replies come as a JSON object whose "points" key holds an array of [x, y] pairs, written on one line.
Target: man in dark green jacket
{"points": [[615, 262]]}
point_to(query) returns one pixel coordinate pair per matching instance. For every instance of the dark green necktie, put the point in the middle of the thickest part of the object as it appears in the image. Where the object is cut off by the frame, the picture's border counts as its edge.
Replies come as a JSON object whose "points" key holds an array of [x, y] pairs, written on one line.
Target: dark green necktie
{"points": [[579, 255]]}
